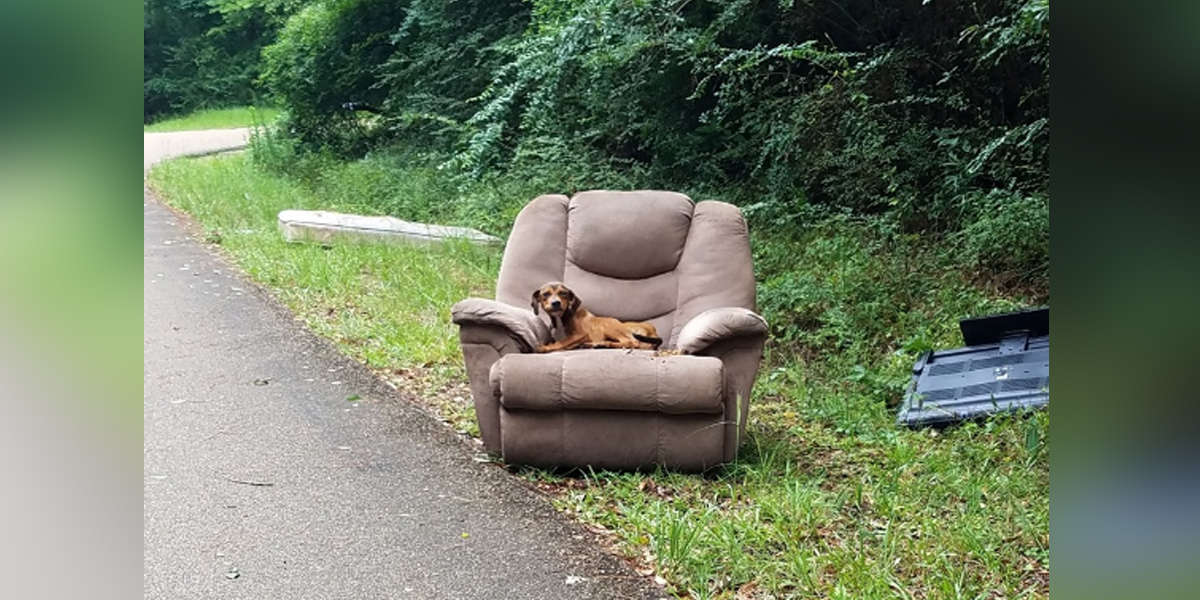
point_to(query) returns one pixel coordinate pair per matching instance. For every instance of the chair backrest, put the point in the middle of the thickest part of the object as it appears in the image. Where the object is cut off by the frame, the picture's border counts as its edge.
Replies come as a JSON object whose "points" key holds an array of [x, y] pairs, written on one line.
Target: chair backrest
{"points": [[637, 256]]}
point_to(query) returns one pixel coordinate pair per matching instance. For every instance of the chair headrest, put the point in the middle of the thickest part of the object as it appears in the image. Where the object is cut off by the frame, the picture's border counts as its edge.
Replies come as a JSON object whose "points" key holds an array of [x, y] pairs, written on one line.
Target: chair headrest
{"points": [[628, 235]]}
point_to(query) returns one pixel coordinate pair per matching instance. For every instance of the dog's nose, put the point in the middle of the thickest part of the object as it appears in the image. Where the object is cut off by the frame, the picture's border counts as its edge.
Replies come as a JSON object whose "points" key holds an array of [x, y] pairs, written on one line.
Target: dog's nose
{"points": [[555, 304]]}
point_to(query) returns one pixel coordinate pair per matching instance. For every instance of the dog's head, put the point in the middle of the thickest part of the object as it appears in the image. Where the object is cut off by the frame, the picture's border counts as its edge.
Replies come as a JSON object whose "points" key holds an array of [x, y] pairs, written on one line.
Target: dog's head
{"points": [[556, 299]]}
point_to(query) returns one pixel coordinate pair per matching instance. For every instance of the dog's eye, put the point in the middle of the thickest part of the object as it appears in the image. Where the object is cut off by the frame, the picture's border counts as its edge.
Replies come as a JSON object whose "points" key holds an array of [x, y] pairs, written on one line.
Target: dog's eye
{"points": [[565, 294]]}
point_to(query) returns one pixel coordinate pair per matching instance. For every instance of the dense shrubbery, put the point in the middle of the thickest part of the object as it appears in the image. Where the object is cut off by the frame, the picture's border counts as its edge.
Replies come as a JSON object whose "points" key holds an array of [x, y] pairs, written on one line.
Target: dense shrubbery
{"points": [[323, 60], [204, 53], [419, 61], [931, 115], [445, 55]]}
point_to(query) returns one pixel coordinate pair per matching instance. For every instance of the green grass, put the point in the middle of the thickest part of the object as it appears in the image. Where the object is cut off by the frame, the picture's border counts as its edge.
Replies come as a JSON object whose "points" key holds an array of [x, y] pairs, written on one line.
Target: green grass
{"points": [[215, 118], [828, 498]]}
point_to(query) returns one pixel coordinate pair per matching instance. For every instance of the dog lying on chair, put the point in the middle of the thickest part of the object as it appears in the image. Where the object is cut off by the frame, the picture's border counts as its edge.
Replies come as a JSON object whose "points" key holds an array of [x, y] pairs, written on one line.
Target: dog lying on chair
{"points": [[582, 329]]}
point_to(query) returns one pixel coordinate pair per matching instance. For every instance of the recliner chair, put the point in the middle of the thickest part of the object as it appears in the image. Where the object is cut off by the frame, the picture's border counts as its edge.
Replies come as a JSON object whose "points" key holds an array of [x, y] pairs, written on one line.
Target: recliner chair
{"points": [[637, 256]]}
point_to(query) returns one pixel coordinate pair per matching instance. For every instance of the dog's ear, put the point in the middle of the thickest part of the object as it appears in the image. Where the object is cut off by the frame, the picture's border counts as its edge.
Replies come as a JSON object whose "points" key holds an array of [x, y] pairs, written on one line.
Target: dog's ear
{"points": [[575, 304], [534, 303]]}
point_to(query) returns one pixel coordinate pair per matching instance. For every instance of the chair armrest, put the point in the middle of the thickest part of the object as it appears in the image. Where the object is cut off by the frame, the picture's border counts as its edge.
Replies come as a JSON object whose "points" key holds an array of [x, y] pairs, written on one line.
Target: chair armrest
{"points": [[521, 323], [717, 324]]}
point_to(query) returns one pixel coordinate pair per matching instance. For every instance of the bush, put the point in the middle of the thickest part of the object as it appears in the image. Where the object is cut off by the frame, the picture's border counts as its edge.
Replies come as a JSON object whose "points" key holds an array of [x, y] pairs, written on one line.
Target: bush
{"points": [[204, 53], [920, 118], [894, 108], [415, 65], [1010, 234], [910, 111], [324, 58], [444, 54]]}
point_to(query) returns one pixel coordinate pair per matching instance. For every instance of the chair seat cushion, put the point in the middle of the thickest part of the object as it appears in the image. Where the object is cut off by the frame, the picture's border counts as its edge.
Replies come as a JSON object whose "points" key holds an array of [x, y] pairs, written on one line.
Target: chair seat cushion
{"points": [[602, 379]]}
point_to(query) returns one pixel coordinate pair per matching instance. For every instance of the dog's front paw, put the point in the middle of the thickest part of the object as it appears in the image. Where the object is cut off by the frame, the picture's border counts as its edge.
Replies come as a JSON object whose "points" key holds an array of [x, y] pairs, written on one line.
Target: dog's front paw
{"points": [[544, 348]]}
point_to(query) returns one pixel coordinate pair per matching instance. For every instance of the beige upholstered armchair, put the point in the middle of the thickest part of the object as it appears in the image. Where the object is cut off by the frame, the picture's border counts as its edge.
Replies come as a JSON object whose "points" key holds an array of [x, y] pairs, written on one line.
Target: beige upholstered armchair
{"points": [[637, 256]]}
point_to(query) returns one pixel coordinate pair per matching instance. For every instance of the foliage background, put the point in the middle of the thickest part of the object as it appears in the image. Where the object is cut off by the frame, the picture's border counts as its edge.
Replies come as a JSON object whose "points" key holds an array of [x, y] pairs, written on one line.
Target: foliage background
{"points": [[205, 53], [931, 116]]}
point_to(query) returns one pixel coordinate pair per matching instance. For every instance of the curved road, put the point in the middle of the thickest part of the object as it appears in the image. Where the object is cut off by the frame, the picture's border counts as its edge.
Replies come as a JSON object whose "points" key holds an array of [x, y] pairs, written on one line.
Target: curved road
{"points": [[164, 145], [261, 479]]}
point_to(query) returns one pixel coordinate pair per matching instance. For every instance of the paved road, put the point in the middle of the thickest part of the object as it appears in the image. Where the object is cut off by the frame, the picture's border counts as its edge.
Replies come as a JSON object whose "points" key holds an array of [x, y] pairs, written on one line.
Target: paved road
{"points": [[157, 146], [262, 480]]}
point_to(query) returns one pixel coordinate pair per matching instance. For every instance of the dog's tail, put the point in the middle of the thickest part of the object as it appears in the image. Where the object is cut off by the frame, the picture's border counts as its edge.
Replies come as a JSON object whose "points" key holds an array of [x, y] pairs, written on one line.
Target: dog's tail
{"points": [[656, 342]]}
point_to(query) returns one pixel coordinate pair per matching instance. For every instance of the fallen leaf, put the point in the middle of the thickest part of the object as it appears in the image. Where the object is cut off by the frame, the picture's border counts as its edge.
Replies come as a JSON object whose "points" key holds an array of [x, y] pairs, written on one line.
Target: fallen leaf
{"points": [[746, 592]]}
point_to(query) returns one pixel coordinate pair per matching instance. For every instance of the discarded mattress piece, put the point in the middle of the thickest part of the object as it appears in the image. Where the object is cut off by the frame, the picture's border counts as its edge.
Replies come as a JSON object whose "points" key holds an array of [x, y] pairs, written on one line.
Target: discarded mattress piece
{"points": [[323, 227], [1005, 366]]}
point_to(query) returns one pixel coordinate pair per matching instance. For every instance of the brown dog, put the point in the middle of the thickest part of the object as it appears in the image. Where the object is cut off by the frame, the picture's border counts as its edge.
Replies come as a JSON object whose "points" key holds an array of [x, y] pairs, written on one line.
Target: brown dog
{"points": [[585, 330]]}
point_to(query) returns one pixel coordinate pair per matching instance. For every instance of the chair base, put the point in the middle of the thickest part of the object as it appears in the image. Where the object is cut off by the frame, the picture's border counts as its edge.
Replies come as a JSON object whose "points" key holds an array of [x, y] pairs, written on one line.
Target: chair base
{"points": [[611, 439]]}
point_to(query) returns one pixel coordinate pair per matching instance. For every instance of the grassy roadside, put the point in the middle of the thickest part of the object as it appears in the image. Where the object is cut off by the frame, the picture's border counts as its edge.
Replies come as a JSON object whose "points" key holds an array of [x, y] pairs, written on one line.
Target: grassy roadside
{"points": [[828, 498], [215, 118]]}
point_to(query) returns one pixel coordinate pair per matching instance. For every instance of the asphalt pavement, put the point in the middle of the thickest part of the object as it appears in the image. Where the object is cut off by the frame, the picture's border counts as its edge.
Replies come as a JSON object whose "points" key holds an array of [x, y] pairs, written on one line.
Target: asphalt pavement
{"points": [[163, 145]]}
